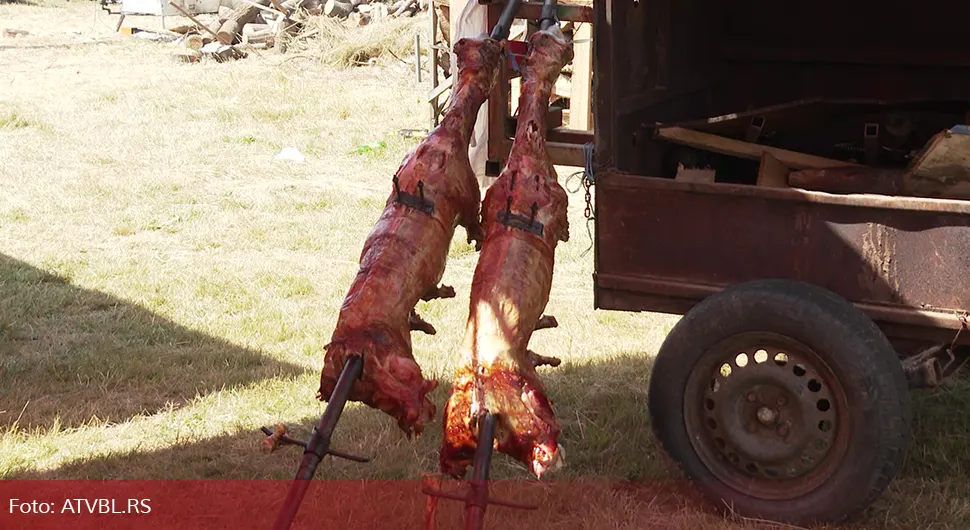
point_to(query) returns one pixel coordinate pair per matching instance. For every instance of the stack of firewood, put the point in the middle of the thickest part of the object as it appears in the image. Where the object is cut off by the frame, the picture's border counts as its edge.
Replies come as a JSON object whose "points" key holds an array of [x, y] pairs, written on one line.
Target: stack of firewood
{"points": [[245, 23], [363, 12], [258, 24]]}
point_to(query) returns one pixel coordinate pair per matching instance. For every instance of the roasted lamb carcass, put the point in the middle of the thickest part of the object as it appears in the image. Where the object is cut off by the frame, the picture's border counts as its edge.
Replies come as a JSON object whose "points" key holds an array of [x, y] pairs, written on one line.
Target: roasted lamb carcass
{"points": [[403, 259], [524, 215]]}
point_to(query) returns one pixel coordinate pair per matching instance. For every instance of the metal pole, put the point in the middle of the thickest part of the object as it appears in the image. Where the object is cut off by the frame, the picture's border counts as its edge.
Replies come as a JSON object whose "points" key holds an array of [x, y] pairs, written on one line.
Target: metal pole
{"points": [[417, 57], [434, 61], [319, 444], [504, 24], [475, 512], [547, 17]]}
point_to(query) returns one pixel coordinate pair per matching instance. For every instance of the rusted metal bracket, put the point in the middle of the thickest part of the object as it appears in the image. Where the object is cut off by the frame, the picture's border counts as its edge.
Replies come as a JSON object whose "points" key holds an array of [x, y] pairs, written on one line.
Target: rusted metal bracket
{"points": [[871, 143], [526, 224], [532, 10], [418, 202], [476, 498], [963, 326], [319, 444], [931, 366], [755, 129]]}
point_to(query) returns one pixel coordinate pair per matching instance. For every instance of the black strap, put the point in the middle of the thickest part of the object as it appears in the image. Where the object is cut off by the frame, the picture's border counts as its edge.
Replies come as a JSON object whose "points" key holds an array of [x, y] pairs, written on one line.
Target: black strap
{"points": [[521, 222], [418, 202]]}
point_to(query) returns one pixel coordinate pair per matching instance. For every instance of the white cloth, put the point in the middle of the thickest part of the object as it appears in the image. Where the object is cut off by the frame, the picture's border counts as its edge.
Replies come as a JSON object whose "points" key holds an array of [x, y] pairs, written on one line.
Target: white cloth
{"points": [[473, 22]]}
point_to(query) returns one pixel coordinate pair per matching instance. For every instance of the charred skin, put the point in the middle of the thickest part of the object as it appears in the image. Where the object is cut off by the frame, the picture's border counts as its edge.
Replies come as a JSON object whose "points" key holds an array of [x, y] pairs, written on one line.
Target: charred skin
{"points": [[404, 257], [511, 287]]}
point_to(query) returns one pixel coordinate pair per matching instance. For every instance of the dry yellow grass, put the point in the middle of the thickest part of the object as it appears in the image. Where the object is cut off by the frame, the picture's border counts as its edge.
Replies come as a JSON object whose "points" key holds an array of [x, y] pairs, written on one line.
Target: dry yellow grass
{"points": [[166, 287], [339, 46]]}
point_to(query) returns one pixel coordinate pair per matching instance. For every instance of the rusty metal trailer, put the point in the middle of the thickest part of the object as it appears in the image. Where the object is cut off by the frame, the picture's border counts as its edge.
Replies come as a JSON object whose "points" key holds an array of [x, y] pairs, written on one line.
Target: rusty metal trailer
{"points": [[783, 392]]}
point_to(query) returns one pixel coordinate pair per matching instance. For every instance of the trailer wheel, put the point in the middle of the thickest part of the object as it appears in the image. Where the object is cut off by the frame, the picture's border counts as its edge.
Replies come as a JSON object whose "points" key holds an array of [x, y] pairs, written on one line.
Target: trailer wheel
{"points": [[782, 401]]}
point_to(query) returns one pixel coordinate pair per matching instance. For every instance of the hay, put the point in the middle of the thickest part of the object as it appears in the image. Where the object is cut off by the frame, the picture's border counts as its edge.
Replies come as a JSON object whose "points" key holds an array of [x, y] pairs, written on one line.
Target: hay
{"points": [[340, 46]]}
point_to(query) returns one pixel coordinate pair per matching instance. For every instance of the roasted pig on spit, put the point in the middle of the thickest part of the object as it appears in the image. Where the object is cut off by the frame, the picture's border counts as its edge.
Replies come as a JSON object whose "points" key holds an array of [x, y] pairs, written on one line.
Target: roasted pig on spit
{"points": [[524, 215], [403, 259]]}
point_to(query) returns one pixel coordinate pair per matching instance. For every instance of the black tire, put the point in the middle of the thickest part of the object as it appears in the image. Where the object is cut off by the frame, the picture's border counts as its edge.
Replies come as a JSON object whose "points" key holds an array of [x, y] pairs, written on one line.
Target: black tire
{"points": [[848, 345]]}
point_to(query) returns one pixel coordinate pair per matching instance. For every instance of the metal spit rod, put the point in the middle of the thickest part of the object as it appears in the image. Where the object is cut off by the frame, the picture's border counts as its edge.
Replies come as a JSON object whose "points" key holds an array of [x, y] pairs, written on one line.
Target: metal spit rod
{"points": [[319, 444], [475, 510], [504, 24], [547, 17]]}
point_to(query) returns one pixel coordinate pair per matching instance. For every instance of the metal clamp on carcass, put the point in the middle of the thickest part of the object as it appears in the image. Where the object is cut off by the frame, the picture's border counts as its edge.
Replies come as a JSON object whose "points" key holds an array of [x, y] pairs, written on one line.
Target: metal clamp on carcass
{"points": [[526, 224], [418, 202]]}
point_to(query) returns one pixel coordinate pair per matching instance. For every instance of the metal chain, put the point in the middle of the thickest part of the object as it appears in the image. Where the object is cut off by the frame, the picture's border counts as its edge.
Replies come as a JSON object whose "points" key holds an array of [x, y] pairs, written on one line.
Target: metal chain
{"points": [[588, 212], [587, 182]]}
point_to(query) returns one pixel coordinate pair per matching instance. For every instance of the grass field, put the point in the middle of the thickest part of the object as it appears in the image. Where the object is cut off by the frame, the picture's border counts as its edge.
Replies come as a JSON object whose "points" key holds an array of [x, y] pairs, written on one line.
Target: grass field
{"points": [[166, 286]]}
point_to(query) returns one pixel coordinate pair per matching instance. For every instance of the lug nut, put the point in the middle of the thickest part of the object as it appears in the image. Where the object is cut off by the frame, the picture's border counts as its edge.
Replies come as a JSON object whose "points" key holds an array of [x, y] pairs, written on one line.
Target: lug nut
{"points": [[767, 416], [751, 397], [782, 401], [782, 430]]}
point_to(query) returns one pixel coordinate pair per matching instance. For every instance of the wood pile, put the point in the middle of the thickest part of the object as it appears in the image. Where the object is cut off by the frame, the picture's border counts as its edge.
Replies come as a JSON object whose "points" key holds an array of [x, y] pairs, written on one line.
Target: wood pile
{"points": [[262, 24], [363, 12]]}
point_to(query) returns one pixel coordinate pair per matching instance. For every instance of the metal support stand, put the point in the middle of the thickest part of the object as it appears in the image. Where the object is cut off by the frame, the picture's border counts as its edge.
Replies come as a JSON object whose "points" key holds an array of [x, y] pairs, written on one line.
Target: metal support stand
{"points": [[319, 444], [476, 498], [547, 17], [433, 61], [501, 30], [417, 57]]}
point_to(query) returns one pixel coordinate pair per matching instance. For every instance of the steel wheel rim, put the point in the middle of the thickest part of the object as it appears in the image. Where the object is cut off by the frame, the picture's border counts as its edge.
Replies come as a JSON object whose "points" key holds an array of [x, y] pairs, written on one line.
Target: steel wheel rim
{"points": [[766, 415]]}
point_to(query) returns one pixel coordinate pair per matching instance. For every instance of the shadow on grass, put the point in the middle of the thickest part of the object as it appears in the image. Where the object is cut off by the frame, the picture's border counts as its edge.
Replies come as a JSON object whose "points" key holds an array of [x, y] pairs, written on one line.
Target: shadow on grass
{"points": [[68, 355], [601, 407], [940, 446], [385, 493], [609, 450]]}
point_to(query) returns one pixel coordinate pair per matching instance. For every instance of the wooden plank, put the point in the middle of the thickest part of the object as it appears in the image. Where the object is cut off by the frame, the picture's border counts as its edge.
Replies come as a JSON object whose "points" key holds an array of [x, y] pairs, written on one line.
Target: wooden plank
{"points": [[569, 136], [694, 175], [565, 11], [515, 94], [498, 105], [193, 19], [263, 8], [580, 96], [851, 180], [562, 154], [440, 89], [750, 151], [772, 173]]}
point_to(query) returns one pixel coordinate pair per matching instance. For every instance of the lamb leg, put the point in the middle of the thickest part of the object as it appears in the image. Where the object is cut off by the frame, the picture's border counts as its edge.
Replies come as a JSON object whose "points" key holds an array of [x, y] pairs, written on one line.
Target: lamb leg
{"points": [[419, 324], [546, 322], [541, 360], [443, 291]]}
